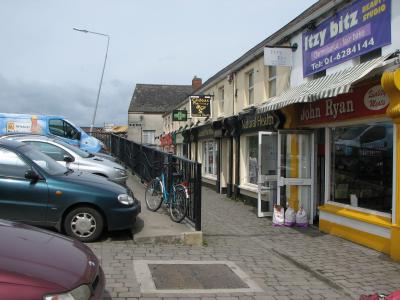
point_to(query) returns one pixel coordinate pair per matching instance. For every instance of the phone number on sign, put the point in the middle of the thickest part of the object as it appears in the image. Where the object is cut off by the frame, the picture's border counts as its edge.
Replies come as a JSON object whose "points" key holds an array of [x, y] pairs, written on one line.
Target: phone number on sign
{"points": [[343, 54]]}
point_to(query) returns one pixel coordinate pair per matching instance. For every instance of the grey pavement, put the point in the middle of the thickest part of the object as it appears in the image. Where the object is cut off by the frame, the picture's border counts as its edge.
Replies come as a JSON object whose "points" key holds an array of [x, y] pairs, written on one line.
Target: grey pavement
{"points": [[155, 227], [286, 263]]}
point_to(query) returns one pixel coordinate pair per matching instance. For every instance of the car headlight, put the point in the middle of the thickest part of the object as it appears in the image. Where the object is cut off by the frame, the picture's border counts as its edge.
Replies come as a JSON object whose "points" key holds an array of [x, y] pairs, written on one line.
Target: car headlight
{"points": [[120, 171], [125, 199], [80, 293]]}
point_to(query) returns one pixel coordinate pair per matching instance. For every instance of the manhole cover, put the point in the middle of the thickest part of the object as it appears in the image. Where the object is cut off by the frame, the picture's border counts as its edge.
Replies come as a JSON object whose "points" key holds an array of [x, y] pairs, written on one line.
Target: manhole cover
{"points": [[192, 277], [195, 276]]}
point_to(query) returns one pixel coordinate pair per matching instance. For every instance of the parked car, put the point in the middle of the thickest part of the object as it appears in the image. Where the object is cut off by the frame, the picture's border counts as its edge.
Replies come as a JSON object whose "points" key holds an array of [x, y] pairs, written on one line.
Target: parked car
{"points": [[35, 189], [73, 157], [39, 264], [50, 126]]}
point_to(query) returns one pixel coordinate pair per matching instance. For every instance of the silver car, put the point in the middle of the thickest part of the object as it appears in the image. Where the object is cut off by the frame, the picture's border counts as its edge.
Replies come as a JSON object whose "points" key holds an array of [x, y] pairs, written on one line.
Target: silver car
{"points": [[73, 157]]}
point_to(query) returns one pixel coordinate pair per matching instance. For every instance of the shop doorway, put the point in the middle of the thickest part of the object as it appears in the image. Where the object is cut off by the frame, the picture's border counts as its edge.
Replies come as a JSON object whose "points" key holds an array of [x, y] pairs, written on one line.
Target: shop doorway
{"points": [[286, 171]]}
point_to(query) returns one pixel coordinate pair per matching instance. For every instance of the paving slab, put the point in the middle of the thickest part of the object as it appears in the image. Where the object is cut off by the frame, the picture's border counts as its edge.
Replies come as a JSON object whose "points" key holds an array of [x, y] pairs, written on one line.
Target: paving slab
{"points": [[157, 227]]}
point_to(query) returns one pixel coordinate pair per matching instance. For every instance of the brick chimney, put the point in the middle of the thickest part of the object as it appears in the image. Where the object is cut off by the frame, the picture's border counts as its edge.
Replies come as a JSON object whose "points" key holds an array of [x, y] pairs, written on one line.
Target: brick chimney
{"points": [[196, 83]]}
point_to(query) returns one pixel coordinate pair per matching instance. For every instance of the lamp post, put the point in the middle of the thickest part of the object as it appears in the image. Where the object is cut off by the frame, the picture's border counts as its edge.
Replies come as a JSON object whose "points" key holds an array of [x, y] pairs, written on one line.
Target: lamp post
{"points": [[102, 73]]}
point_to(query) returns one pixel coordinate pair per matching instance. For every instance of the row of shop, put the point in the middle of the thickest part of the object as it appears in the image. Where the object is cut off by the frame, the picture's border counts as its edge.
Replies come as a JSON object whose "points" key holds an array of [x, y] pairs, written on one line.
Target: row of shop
{"points": [[337, 158]]}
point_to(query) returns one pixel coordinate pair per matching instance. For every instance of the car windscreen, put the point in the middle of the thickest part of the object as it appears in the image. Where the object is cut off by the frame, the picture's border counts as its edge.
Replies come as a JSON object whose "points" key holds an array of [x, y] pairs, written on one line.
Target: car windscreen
{"points": [[46, 163]]}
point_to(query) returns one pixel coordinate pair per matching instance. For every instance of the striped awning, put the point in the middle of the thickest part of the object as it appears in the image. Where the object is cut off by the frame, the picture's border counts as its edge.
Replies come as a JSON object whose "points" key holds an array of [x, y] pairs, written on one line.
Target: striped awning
{"points": [[324, 87]]}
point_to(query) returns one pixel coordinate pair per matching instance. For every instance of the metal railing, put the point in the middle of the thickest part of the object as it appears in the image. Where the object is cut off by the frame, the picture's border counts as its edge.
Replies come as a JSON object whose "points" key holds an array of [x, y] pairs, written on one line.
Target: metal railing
{"points": [[105, 137], [148, 163]]}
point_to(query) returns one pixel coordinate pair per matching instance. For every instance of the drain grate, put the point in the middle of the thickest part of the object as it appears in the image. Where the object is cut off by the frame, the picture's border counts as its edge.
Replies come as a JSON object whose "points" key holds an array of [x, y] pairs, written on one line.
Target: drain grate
{"points": [[195, 276], [192, 277]]}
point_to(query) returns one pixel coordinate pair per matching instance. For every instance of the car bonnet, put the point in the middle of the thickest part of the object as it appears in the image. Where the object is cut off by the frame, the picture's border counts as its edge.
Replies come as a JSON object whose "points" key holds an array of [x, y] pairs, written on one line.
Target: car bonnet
{"points": [[37, 257]]}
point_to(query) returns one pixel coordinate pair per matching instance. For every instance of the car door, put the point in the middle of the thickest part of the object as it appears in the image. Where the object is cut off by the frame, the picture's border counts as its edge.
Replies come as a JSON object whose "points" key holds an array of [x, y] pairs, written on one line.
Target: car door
{"points": [[20, 198]]}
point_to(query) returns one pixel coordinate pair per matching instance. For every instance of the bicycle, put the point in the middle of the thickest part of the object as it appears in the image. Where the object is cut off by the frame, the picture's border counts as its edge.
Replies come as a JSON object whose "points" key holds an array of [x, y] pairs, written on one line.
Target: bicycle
{"points": [[176, 197]]}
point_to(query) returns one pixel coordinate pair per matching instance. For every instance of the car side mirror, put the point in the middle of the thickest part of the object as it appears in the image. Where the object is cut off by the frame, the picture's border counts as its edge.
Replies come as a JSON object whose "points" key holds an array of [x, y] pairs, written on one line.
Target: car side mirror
{"points": [[68, 159], [32, 175]]}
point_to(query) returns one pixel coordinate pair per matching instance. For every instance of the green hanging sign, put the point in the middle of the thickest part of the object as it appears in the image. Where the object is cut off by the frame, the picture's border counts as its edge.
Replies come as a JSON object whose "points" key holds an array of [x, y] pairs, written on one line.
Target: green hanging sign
{"points": [[179, 115]]}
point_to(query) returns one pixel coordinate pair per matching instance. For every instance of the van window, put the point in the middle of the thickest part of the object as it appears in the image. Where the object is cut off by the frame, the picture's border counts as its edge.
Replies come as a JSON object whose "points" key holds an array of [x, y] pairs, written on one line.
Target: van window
{"points": [[61, 128]]}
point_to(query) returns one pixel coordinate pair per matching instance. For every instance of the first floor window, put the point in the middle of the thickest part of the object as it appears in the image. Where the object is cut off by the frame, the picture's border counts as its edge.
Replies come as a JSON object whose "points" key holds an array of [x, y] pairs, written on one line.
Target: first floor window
{"points": [[252, 159], [362, 165], [148, 136], [210, 157], [250, 87]]}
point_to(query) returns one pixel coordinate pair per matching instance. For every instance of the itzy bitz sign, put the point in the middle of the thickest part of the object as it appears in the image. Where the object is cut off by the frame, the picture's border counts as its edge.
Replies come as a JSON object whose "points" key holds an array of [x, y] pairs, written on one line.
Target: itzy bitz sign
{"points": [[352, 31]]}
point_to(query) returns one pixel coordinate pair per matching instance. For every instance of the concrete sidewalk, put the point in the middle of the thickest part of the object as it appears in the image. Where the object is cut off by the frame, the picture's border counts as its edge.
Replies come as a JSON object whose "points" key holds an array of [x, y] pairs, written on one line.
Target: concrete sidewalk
{"points": [[157, 227], [286, 263]]}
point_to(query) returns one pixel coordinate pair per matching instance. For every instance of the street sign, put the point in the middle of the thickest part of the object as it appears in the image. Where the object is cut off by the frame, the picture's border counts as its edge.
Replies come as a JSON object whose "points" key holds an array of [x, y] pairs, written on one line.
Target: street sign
{"points": [[179, 115]]}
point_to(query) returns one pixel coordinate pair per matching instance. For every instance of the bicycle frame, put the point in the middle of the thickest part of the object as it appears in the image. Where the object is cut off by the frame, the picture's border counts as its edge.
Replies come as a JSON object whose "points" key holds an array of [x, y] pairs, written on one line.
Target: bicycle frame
{"points": [[165, 192]]}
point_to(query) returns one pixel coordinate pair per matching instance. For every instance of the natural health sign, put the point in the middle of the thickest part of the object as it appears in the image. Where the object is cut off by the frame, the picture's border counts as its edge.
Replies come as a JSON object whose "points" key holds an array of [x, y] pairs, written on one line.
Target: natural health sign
{"points": [[200, 106], [351, 32]]}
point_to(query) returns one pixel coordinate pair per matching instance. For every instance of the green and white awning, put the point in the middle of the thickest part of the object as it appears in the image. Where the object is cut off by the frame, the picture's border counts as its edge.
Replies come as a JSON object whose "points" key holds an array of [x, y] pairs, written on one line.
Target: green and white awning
{"points": [[324, 87]]}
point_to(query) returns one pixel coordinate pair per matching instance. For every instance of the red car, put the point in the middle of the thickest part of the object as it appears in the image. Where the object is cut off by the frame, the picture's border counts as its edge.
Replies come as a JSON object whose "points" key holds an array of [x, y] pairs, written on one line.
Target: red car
{"points": [[42, 265]]}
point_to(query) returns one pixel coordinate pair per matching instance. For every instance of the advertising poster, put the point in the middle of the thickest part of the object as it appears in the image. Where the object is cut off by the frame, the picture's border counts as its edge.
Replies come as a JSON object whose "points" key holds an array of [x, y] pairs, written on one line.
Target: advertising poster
{"points": [[355, 30], [21, 124]]}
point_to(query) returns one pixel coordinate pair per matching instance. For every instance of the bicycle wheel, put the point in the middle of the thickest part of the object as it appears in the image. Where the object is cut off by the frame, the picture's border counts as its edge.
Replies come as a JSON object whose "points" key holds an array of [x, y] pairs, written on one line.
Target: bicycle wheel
{"points": [[153, 195], [178, 205]]}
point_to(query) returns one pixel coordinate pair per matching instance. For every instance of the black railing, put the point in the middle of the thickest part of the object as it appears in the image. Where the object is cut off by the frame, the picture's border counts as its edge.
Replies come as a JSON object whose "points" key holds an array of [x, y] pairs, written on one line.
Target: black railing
{"points": [[105, 137], [148, 163]]}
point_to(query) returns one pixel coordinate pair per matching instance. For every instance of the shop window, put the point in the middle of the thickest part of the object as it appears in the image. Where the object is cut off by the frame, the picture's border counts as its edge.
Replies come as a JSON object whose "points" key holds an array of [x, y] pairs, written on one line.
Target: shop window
{"points": [[252, 159], [148, 136], [272, 81], [250, 87], [221, 97], [210, 157], [362, 166]]}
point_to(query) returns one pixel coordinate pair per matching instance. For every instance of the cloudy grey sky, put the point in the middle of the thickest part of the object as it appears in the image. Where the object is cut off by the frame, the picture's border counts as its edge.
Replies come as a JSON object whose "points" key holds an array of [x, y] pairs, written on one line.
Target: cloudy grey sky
{"points": [[47, 68]]}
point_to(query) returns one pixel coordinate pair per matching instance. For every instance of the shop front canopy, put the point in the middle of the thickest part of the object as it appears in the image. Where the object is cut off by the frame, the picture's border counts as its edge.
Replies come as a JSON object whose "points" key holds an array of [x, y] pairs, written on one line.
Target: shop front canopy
{"points": [[325, 87]]}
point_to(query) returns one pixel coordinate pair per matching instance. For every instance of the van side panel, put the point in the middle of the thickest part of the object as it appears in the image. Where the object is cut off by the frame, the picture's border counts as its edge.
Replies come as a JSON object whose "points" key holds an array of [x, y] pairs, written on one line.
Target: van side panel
{"points": [[13, 123]]}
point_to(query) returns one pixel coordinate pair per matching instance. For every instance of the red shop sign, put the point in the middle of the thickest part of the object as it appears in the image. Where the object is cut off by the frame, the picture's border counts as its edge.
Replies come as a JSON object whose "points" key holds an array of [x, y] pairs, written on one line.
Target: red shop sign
{"points": [[166, 140], [364, 101]]}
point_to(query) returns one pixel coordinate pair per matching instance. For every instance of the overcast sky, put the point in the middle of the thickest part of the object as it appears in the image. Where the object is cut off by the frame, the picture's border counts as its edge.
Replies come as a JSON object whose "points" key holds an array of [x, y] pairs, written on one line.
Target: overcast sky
{"points": [[48, 68]]}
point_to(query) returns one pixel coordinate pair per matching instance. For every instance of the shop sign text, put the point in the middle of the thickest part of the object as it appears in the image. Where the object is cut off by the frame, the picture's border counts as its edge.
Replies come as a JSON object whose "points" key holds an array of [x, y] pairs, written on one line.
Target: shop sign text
{"points": [[352, 31], [258, 121], [364, 101]]}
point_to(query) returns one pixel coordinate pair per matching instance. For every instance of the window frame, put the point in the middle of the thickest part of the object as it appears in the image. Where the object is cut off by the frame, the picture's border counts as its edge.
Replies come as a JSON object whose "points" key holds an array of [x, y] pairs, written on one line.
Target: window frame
{"points": [[146, 131], [221, 100], [247, 177], [250, 87], [205, 157], [272, 80]]}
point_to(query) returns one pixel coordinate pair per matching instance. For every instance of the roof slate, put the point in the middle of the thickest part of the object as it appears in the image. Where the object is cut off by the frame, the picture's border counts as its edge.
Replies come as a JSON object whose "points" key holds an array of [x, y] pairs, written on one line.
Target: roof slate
{"points": [[158, 98]]}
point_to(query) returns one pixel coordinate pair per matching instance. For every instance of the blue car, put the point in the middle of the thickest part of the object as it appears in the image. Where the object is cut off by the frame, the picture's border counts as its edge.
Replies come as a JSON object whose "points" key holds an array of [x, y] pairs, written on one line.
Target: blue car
{"points": [[37, 190]]}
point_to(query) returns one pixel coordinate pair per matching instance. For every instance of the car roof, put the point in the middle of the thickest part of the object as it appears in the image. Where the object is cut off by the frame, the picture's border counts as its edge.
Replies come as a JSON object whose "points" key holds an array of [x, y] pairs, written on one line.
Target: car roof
{"points": [[13, 145], [20, 137]]}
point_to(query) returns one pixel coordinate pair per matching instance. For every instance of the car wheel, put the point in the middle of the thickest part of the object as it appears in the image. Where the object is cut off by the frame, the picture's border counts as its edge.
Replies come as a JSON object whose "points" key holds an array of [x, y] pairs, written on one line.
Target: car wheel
{"points": [[84, 224]]}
